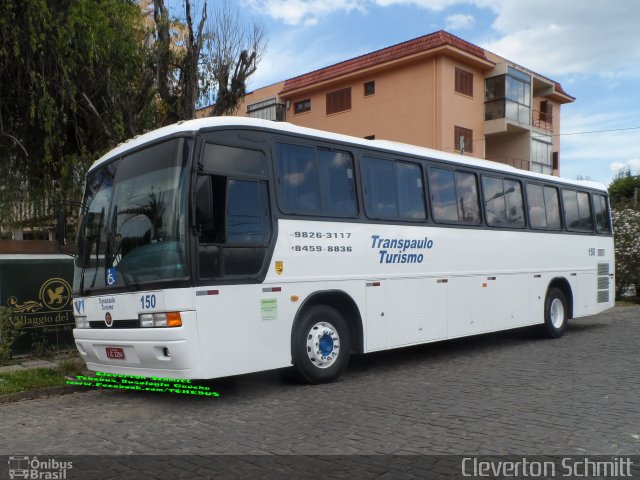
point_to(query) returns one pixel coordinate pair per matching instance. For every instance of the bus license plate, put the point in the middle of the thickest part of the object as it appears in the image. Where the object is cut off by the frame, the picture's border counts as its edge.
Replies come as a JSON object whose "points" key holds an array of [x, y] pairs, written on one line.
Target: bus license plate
{"points": [[114, 352]]}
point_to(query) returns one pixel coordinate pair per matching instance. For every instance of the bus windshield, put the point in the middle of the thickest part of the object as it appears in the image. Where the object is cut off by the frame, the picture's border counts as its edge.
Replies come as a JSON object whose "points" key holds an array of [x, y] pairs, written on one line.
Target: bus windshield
{"points": [[133, 226]]}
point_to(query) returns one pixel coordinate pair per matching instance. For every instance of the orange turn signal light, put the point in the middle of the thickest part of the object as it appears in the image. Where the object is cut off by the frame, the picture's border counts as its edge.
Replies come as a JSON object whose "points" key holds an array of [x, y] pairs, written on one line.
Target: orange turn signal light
{"points": [[174, 319]]}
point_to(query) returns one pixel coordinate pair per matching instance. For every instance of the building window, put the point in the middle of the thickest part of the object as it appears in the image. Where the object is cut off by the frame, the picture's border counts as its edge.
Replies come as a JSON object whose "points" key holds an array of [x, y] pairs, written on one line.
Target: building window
{"points": [[302, 106], [369, 88], [464, 82], [541, 155], [466, 135], [339, 101], [267, 110], [508, 96], [370, 137]]}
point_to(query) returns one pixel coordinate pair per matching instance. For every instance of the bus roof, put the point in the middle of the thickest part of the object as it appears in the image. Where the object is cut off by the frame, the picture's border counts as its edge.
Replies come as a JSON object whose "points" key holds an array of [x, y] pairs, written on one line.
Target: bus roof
{"points": [[285, 127]]}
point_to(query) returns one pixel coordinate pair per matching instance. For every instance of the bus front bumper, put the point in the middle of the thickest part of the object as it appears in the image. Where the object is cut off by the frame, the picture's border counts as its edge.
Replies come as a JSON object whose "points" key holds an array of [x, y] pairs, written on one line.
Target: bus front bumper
{"points": [[148, 352]]}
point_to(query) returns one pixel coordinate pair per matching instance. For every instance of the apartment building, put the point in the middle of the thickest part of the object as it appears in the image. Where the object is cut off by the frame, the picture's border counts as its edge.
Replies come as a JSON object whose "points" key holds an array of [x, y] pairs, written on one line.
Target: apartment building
{"points": [[436, 91]]}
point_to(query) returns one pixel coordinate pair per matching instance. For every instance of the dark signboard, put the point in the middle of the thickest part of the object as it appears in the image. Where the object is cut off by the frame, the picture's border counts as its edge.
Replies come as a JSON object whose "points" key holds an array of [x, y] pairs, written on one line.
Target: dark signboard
{"points": [[38, 292]]}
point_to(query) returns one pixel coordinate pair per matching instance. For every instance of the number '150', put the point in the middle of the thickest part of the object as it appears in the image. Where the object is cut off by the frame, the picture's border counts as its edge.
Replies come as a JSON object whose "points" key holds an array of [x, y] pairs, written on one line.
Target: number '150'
{"points": [[148, 301]]}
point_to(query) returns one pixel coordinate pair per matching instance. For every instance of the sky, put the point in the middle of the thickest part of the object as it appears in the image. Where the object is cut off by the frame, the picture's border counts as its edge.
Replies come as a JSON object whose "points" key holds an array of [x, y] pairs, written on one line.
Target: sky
{"points": [[591, 47]]}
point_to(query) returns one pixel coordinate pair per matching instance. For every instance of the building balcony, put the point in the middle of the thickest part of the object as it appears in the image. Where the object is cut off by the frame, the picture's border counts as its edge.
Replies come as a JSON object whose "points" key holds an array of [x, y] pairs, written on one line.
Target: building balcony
{"points": [[543, 119]]}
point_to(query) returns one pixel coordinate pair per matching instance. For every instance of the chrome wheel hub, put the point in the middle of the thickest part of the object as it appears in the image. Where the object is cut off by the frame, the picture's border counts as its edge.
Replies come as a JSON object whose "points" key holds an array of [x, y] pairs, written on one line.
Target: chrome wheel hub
{"points": [[323, 345], [557, 313]]}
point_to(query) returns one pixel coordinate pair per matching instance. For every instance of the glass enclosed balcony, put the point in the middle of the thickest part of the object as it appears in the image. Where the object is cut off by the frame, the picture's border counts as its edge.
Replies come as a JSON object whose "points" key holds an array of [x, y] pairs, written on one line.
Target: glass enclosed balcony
{"points": [[508, 96]]}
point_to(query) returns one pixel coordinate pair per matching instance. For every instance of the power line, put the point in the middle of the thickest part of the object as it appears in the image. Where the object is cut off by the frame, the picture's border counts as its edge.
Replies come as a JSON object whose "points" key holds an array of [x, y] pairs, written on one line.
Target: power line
{"points": [[595, 131], [574, 133]]}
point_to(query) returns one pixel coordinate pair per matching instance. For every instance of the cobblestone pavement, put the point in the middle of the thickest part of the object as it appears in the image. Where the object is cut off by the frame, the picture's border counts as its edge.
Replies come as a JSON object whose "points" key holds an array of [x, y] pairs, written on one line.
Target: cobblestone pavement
{"points": [[501, 393]]}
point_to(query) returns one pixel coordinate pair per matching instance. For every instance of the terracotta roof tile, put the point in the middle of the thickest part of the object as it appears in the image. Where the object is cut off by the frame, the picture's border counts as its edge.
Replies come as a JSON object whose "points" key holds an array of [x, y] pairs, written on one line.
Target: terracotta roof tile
{"points": [[562, 91], [404, 49]]}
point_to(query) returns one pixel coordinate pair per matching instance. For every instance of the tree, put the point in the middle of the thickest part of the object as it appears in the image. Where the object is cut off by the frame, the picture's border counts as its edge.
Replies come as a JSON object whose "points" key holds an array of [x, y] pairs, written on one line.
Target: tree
{"points": [[626, 227], [74, 81], [625, 189], [178, 69], [232, 52], [78, 77]]}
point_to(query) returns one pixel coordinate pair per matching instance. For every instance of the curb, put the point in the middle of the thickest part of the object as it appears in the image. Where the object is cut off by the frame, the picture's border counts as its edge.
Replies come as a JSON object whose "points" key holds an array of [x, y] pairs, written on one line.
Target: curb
{"points": [[39, 393]]}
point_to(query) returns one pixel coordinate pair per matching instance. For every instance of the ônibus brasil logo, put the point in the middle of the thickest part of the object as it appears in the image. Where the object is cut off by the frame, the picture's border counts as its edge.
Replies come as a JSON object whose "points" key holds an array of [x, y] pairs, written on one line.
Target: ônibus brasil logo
{"points": [[33, 468]]}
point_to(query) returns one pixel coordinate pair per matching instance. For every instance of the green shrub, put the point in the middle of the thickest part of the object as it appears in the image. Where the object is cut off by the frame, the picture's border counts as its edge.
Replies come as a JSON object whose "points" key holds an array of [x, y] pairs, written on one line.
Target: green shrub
{"points": [[9, 331]]}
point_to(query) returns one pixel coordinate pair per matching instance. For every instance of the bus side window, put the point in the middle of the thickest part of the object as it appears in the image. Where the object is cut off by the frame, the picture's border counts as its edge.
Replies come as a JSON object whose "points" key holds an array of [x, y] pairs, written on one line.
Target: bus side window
{"points": [[552, 208], [234, 239], [495, 205], [315, 181], [535, 200], [454, 196], [544, 207], [337, 183], [410, 191], [299, 190], [584, 209], [577, 210], [601, 213], [467, 196], [570, 203], [246, 219], [379, 188], [503, 202], [443, 195]]}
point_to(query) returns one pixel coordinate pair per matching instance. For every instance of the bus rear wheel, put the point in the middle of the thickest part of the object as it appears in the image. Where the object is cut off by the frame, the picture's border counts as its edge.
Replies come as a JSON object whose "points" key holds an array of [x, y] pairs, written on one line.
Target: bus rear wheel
{"points": [[321, 345], [555, 314]]}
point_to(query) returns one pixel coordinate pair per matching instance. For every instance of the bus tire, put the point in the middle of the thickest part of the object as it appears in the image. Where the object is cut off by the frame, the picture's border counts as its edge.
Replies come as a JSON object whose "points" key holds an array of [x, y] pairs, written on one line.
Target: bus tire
{"points": [[555, 314], [321, 344]]}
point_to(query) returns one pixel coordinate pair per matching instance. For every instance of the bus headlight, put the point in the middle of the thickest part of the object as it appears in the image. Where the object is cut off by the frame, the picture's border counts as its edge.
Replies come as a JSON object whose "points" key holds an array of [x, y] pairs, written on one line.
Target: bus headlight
{"points": [[167, 319], [81, 321]]}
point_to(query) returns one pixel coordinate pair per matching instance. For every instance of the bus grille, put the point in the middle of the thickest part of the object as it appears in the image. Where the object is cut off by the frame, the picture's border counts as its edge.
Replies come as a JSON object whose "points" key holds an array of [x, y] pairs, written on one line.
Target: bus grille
{"points": [[116, 324], [603, 282]]}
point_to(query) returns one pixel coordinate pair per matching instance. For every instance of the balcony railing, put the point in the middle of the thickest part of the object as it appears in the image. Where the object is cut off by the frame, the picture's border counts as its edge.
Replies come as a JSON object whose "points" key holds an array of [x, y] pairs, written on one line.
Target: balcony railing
{"points": [[543, 120]]}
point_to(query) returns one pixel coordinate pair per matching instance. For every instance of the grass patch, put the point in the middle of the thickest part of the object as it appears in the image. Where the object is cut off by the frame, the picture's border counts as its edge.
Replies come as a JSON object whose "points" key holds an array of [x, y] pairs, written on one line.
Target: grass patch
{"points": [[14, 382], [628, 302], [37, 378]]}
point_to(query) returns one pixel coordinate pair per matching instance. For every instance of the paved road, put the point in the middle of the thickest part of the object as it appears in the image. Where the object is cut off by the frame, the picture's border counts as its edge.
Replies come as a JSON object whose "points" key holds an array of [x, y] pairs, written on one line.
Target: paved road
{"points": [[494, 394]]}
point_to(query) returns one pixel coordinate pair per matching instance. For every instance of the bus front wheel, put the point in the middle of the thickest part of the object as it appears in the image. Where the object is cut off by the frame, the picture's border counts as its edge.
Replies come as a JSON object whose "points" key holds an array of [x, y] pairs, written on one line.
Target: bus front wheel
{"points": [[321, 344], [555, 313]]}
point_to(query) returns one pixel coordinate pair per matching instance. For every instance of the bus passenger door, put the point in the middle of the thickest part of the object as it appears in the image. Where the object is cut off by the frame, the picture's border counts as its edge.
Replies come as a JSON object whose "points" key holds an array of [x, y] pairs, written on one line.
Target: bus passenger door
{"points": [[376, 322]]}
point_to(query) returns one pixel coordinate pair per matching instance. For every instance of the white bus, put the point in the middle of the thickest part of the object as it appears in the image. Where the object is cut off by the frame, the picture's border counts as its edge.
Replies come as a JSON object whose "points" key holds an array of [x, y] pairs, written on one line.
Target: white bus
{"points": [[223, 246]]}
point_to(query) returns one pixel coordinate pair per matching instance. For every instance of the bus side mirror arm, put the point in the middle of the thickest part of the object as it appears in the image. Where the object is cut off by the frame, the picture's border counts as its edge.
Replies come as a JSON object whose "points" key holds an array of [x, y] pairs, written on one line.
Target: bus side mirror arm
{"points": [[61, 227]]}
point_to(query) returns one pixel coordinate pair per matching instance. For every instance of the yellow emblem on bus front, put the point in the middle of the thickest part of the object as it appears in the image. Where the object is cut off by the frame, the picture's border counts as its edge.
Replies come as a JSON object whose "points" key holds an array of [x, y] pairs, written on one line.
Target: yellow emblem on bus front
{"points": [[279, 267]]}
